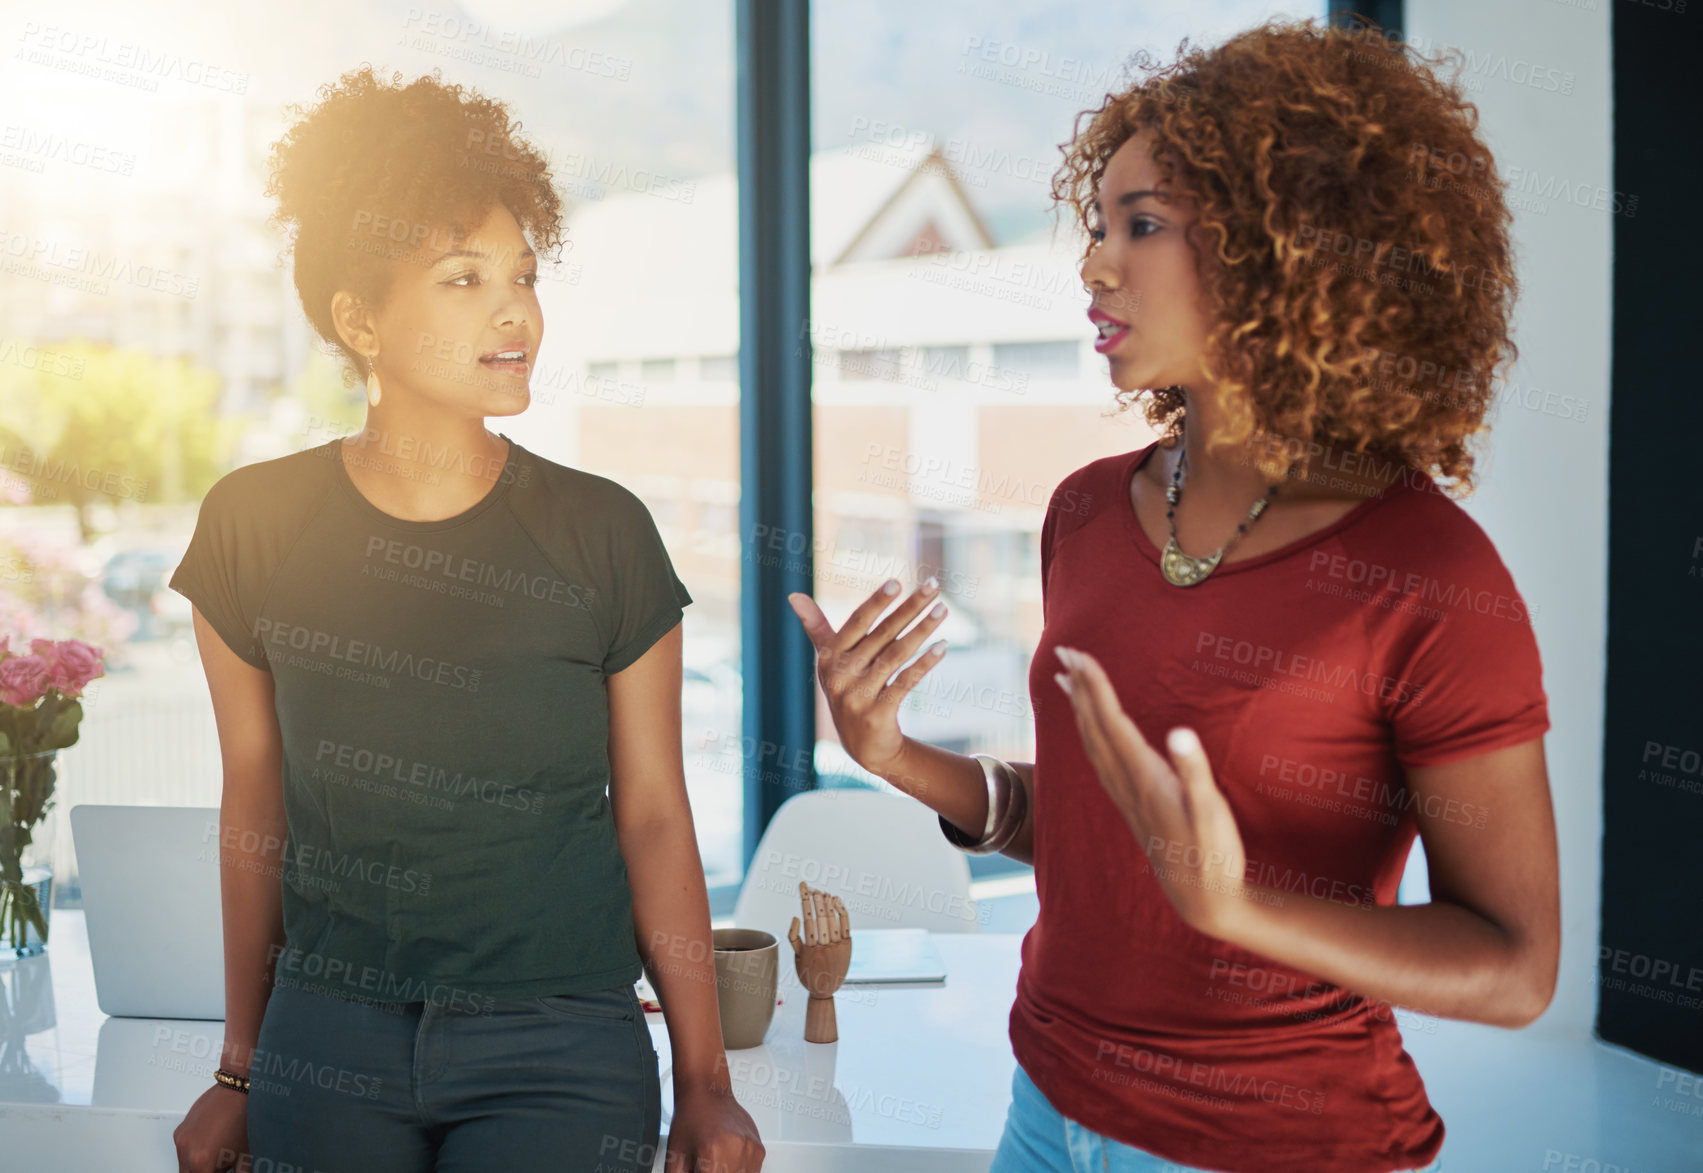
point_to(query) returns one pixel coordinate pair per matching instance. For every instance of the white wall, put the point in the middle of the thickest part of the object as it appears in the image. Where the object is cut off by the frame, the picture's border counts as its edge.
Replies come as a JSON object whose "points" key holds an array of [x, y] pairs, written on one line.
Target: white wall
{"points": [[1544, 491]]}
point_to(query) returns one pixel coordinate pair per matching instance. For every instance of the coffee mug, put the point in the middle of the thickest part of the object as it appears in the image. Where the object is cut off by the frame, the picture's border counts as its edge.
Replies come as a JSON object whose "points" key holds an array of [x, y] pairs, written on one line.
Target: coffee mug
{"points": [[747, 970]]}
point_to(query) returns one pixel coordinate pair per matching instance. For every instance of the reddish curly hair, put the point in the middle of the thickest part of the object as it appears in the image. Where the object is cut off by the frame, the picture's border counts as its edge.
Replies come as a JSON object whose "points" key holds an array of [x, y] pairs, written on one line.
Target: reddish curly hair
{"points": [[1358, 240], [374, 156]]}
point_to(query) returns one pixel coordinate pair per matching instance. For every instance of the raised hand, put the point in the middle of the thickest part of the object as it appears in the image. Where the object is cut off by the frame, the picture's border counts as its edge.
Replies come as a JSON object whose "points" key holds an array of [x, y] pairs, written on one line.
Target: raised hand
{"points": [[1174, 808], [855, 662], [822, 955]]}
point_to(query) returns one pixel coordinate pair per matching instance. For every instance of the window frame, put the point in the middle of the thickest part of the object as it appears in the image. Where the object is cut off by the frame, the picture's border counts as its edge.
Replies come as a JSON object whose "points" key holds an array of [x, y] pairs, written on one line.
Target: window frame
{"points": [[772, 144]]}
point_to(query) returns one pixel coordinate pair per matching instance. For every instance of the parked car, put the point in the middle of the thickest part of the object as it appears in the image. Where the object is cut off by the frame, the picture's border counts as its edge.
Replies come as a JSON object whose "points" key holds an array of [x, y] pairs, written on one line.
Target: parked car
{"points": [[136, 579]]}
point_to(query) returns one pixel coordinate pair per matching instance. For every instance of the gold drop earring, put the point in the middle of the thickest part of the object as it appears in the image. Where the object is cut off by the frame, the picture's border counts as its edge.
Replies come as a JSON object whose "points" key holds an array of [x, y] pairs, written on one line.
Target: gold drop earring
{"points": [[373, 389]]}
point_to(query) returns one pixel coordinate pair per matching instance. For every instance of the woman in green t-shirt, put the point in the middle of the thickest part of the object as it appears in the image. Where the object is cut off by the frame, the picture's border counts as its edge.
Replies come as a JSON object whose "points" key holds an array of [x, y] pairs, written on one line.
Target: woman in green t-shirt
{"points": [[489, 1036]]}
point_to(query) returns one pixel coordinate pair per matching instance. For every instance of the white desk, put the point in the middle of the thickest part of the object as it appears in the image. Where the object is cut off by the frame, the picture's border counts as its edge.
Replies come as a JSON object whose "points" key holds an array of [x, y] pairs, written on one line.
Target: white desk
{"points": [[920, 1078]]}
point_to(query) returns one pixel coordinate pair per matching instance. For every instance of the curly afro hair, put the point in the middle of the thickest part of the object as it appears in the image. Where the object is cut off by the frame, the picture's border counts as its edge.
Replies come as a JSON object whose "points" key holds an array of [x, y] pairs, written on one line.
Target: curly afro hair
{"points": [[380, 173], [1356, 233]]}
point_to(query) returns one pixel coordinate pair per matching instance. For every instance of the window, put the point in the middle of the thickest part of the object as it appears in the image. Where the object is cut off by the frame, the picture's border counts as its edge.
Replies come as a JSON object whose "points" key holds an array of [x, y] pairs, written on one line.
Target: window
{"points": [[1040, 360], [969, 393], [654, 226], [650, 242], [954, 394], [718, 368], [869, 364], [945, 362]]}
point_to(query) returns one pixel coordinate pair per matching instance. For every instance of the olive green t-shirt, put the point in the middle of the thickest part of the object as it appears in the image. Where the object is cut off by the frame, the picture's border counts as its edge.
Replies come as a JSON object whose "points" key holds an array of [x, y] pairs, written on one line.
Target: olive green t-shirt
{"points": [[440, 692]]}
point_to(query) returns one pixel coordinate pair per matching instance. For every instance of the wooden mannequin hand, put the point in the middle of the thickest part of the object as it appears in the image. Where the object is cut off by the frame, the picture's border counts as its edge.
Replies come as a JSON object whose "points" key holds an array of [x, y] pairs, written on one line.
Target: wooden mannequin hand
{"points": [[822, 955]]}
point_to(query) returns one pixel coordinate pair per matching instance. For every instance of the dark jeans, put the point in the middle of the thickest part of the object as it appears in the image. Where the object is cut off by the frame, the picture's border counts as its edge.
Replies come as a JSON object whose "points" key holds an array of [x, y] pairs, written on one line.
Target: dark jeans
{"points": [[564, 1081]]}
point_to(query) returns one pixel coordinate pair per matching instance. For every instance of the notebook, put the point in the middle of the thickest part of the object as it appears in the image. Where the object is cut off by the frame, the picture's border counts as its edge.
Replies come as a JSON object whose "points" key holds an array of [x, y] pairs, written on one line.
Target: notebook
{"points": [[894, 955]]}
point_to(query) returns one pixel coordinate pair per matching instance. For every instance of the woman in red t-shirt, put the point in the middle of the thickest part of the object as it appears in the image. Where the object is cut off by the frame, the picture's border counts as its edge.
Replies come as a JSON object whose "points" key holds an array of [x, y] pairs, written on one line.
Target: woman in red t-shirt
{"points": [[1274, 651]]}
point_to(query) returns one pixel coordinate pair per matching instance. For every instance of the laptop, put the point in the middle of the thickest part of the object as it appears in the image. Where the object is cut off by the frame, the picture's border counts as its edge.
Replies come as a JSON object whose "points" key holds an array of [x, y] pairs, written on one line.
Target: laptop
{"points": [[150, 879]]}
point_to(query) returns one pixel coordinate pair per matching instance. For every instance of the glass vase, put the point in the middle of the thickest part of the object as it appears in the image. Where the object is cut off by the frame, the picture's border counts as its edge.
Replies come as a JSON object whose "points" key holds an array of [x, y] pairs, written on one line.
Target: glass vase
{"points": [[26, 852]]}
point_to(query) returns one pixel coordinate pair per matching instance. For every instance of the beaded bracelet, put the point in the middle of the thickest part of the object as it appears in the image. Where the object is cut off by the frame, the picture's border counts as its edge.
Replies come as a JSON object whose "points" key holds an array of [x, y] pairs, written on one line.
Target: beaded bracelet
{"points": [[232, 1079]]}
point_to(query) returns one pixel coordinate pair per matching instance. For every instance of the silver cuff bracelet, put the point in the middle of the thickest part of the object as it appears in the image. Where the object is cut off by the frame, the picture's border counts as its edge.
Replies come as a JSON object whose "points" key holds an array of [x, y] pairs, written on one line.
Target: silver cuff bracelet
{"points": [[1008, 803]]}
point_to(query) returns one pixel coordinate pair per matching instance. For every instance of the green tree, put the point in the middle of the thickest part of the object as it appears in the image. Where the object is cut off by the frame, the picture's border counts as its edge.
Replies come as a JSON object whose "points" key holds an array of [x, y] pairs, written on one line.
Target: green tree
{"points": [[84, 422]]}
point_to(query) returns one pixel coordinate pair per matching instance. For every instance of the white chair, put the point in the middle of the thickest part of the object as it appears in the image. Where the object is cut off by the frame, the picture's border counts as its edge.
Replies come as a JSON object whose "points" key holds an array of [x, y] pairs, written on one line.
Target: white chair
{"points": [[880, 853]]}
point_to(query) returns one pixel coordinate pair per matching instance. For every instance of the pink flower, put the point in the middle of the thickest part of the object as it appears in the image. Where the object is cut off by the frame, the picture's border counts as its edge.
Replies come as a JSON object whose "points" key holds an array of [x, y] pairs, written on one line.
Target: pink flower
{"points": [[72, 663], [23, 680]]}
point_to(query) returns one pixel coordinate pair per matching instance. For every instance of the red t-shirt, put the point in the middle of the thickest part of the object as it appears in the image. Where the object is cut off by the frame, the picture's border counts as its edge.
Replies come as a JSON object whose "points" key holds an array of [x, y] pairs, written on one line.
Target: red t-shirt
{"points": [[1312, 673]]}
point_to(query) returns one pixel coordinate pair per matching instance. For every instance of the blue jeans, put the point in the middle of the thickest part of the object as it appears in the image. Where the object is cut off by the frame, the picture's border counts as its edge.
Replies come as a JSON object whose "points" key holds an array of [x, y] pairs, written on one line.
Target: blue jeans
{"points": [[459, 1085], [1037, 1139]]}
